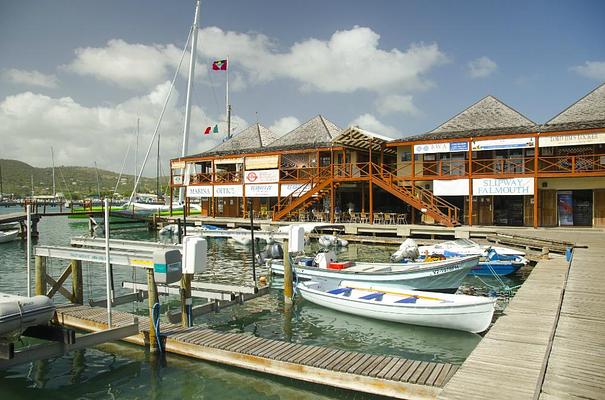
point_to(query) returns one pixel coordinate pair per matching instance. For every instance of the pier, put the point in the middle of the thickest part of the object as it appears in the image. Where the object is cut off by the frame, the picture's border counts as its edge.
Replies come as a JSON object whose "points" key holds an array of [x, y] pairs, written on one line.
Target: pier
{"points": [[377, 374], [549, 342]]}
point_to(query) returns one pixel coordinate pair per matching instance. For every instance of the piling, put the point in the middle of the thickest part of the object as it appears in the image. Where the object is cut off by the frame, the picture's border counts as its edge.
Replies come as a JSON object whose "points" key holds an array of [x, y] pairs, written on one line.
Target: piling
{"points": [[77, 288], [288, 290], [153, 299], [186, 301], [40, 275]]}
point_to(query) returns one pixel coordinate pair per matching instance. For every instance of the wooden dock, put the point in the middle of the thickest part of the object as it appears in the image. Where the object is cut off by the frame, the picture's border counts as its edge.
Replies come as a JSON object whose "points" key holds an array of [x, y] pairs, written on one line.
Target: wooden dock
{"points": [[550, 342], [378, 374]]}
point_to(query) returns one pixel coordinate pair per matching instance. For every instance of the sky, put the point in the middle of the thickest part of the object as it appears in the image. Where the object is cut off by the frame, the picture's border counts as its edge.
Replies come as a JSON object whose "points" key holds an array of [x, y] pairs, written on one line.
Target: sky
{"points": [[77, 75]]}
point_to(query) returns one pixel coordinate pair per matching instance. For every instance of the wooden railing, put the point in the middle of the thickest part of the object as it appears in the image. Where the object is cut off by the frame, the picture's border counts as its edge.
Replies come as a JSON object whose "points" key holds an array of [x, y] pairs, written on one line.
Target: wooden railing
{"points": [[316, 182], [582, 164]]}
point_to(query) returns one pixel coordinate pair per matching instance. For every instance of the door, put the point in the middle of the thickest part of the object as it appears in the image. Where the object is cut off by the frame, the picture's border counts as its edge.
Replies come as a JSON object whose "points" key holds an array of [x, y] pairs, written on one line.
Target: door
{"points": [[528, 212], [599, 207], [548, 207]]}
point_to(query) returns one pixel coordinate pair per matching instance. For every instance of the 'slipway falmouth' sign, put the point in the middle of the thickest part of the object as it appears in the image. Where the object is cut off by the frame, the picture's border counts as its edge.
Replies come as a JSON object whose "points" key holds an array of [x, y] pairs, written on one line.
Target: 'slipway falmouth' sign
{"points": [[503, 187]]}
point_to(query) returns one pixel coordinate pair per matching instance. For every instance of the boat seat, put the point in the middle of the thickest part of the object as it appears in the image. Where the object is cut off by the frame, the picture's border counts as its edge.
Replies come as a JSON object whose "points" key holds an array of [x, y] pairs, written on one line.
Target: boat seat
{"points": [[411, 299], [345, 290], [373, 296]]}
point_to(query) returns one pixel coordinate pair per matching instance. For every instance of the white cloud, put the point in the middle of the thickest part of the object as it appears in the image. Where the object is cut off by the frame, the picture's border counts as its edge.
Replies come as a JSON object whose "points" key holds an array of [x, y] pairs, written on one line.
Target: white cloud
{"points": [[130, 65], [82, 135], [350, 60], [591, 69], [31, 78], [284, 125], [370, 123], [397, 104], [481, 67]]}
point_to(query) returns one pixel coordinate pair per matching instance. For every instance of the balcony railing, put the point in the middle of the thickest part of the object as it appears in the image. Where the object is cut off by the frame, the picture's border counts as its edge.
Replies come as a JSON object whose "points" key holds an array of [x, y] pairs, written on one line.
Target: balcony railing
{"points": [[572, 164]]}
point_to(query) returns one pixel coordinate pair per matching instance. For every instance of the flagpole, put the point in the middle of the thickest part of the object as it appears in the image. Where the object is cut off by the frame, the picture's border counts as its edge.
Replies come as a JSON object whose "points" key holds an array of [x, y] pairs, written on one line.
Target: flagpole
{"points": [[227, 106], [189, 88]]}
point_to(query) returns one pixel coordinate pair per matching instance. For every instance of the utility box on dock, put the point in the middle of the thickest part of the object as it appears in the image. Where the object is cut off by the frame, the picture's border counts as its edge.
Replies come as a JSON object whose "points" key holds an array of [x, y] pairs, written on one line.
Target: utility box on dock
{"points": [[167, 266], [195, 254]]}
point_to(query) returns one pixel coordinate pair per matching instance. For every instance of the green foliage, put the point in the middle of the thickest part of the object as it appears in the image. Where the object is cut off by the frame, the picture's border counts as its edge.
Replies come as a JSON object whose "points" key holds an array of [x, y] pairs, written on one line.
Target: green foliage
{"points": [[80, 182]]}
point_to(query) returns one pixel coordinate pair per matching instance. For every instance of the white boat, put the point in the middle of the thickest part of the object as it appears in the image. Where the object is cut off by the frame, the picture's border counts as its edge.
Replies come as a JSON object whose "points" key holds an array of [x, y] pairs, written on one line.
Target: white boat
{"points": [[466, 247], [9, 236], [450, 311], [332, 241], [436, 276], [17, 313]]}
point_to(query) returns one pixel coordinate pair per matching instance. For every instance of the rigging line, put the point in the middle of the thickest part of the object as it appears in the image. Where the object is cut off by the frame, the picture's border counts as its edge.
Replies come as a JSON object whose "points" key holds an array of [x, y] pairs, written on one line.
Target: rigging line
{"points": [[65, 184], [157, 127], [122, 169]]}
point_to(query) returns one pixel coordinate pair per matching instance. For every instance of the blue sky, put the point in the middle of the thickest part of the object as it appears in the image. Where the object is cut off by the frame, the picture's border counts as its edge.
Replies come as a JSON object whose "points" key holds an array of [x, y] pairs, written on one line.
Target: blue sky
{"points": [[78, 74]]}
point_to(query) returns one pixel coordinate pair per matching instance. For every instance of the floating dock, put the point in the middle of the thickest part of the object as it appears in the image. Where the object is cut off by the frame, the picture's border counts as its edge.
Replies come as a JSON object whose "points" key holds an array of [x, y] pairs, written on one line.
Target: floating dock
{"points": [[377, 374], [550, 342]]}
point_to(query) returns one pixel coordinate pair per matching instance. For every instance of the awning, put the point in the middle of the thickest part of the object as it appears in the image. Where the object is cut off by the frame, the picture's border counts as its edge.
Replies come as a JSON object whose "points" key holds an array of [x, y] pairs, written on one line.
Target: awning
{"points": [[359, 138], [262, 162], [229, 161]]}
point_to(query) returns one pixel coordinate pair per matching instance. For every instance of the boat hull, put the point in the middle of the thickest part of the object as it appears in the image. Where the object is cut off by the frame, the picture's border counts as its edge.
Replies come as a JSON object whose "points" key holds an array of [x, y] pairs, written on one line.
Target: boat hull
{"points": [[442, 276], [17, 313], [498, 267], [472, 317], [9, 236]]}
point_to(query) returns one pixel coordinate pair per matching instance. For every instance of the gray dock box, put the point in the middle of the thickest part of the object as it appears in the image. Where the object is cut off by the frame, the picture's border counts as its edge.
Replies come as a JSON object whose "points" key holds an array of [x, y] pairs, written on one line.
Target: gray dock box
{"points": [[167, 266]]}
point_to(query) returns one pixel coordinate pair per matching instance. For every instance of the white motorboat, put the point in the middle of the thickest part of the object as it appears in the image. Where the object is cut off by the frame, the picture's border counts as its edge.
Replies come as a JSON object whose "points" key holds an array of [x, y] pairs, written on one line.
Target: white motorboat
{"points": [[450, 311], [9, 236], [332, 241], [438, 276], [466, 247], [18, 313]]}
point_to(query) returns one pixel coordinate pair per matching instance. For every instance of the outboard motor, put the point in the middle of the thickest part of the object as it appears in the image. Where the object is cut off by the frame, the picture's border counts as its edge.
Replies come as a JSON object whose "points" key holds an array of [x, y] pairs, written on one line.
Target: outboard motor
{"points": [[407, 250], [271, 252]]}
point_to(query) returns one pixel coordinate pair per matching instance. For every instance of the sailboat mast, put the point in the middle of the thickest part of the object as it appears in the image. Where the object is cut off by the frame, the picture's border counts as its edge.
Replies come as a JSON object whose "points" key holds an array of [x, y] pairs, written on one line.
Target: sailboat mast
{"points": [[98, 185], [194, 28], [157, 172], [1, 188], [136, 161], [52, 156], [227, 105]]}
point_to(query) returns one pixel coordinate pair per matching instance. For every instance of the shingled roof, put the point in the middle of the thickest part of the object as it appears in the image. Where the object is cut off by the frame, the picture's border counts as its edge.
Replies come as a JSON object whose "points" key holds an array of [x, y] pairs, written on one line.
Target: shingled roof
{"points": [[254, 138], [488, 116], [586, 113], [317, 132]]}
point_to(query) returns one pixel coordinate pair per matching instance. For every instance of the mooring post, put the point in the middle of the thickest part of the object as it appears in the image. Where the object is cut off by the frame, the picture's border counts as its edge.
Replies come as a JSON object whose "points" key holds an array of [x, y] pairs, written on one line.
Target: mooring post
{"points": [[288, 291], [77, 290], [153, 299], [545, 252], [40, 275], [186, 301]]}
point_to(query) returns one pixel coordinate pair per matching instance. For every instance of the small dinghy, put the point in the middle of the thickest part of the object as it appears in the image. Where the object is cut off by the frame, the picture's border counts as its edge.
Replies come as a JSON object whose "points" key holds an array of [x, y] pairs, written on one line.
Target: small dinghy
{"points": [[332, 241], [9, 236], [18, 313], [450, 311]]}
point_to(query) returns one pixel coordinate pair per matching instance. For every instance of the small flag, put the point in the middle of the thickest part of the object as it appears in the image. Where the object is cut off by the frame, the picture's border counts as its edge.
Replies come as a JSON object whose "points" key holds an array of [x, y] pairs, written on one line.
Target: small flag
{"points": [[219, 65], [211, 129]]}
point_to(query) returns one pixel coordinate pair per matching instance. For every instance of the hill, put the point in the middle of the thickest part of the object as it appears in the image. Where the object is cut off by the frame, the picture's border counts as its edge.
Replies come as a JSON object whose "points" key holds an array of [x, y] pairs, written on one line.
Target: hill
{"points": [[80, 182]]}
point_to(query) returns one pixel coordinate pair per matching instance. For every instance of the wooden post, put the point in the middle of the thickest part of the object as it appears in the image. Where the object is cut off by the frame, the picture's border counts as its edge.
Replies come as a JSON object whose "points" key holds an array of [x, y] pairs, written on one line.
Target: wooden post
{"points": [[186, 300], [153, 299], [76, 282], [288, 290], [370, 187], [470, 183], [536, 188], [40, 276]]}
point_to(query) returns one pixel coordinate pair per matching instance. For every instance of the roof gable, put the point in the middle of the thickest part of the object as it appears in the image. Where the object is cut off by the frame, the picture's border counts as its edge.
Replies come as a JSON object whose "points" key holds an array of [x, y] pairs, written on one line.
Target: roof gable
{"points": [[253, 137], [317, 131], [589, 108], [487, 113]]}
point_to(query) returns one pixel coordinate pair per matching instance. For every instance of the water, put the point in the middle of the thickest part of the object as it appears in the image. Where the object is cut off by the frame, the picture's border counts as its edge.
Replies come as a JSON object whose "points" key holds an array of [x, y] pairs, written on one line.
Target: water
{"points": [[125, 371]]}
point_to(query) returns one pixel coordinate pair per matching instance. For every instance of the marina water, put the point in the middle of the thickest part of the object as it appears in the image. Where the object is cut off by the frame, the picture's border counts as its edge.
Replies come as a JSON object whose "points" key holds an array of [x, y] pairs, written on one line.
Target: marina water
{"points": [[120, 370]]}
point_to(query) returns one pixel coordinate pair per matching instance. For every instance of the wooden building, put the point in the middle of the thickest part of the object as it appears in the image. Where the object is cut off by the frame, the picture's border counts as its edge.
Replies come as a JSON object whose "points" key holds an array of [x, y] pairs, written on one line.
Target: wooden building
{"points": [[487, 165]]}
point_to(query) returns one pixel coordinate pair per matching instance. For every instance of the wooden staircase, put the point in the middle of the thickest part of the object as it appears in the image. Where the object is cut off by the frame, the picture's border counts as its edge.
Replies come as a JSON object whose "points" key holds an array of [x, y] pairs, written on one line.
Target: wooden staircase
{"points": [[303, 197], [421, 199]]}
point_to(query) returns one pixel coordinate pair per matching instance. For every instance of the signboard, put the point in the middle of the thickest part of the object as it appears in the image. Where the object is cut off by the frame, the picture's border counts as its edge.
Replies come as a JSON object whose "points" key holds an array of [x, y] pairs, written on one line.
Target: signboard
{"points": [[262, 162], [229, 161], [503, 187], [502, 144], [261, 190], [228, 191], [452, 187], [570, 140], [565, 205], [440, 147], [261, 176], [288, 188], [178, 164], [177, 180], [199, 191]]}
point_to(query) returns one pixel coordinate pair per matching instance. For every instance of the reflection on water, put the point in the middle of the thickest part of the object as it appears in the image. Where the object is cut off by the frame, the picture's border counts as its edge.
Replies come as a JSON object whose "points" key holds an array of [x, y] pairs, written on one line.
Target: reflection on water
{"points": [[125, 371]]}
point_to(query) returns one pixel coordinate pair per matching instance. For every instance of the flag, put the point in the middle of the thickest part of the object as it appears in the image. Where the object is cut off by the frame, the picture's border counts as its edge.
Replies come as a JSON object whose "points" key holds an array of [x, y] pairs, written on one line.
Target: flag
{"points": [[211, 129], [219, 65]]}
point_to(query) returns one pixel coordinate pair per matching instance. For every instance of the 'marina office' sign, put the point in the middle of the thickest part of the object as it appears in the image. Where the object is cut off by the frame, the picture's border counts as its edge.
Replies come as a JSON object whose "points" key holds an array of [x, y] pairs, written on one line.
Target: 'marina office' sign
{"points": [[503, 187]]}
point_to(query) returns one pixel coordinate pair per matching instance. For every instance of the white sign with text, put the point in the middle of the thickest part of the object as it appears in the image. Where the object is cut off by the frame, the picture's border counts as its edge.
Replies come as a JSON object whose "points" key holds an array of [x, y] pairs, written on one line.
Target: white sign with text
{"points": [[503, 187]]}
